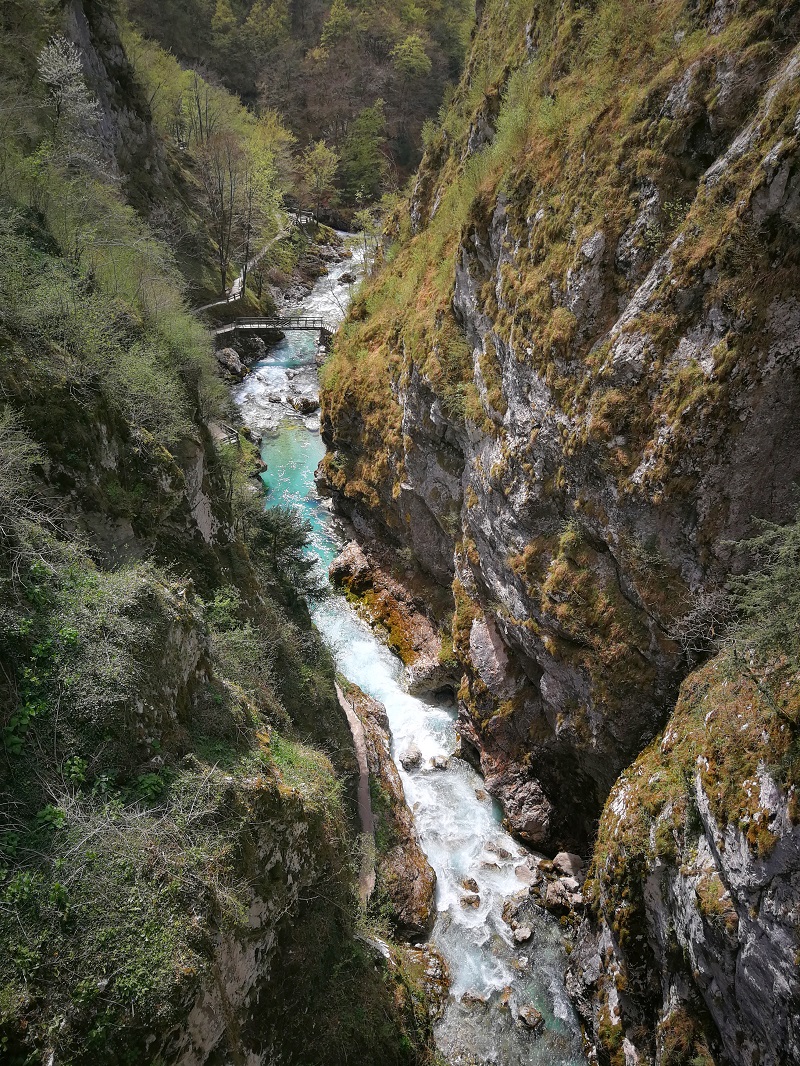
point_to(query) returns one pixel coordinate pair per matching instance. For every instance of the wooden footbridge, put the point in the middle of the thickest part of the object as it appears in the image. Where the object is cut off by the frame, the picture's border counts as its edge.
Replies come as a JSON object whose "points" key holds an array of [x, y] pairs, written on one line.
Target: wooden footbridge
{"points": [[256, 326]]}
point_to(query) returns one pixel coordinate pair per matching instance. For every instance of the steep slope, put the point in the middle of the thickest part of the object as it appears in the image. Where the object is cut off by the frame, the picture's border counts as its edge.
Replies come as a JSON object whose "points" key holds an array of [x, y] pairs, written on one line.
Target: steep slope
{"points": [[574, 385], [566, 394], [176, 775]]}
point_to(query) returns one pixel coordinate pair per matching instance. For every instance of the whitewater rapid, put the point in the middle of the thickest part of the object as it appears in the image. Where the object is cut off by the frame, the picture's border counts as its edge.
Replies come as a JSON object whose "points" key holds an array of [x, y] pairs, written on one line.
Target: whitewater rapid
{"points": [[459, 825]]}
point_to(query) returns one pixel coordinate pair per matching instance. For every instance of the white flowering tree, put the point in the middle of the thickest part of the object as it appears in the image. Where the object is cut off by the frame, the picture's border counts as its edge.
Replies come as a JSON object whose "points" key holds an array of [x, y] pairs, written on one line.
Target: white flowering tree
{"points": [[76, 111]]}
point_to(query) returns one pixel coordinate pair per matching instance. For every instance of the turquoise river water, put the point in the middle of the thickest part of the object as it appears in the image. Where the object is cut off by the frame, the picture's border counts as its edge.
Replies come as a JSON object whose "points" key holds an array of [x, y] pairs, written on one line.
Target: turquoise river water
{"points": [[459, 826]]}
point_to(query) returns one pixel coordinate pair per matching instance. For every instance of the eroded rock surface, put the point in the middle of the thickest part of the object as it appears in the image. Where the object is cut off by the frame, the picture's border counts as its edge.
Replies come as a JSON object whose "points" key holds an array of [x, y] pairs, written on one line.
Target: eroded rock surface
{"points": [[403, 872]]}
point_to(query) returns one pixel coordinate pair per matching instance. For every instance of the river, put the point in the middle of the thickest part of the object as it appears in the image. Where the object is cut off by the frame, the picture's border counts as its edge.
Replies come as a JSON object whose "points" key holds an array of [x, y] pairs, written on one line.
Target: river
{"points": [[459, 826]]}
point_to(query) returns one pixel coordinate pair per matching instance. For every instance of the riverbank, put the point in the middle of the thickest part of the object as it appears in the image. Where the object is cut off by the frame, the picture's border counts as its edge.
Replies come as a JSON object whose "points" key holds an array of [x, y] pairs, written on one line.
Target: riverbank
{"points": [[497, 981]]}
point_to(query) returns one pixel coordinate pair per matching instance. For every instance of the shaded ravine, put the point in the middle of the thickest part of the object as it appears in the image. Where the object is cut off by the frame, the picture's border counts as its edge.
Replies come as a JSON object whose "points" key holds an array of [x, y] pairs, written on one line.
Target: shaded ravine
{"points": [[459, 826]]}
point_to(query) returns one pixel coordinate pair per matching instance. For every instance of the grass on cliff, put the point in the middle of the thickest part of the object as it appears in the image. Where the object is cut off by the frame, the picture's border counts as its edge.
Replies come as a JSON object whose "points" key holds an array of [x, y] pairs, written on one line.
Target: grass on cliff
{"points": [[592, 109], [737, 719], [577, 131], [600, 74]]}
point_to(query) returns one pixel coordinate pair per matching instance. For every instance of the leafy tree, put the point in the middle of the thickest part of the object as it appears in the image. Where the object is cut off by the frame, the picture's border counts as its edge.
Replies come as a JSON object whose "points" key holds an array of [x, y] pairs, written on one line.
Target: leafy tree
{"points": [[339, 25], [410, 58], [319, 168], [368, 223], [61, 69], [20, 503], [363, 164], [222, 174], [267, 25], [224, 23]]}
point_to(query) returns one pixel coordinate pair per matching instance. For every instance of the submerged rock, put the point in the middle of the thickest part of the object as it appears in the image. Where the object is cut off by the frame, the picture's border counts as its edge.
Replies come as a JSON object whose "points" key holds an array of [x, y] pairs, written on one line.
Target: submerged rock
{"points": [[304, 405], [474, 999]]}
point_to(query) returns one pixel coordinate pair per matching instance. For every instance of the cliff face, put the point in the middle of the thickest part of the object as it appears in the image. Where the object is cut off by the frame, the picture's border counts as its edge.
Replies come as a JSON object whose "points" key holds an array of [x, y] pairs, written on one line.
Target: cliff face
{"points": [[695, 882], [575, 384], [570, 388]]}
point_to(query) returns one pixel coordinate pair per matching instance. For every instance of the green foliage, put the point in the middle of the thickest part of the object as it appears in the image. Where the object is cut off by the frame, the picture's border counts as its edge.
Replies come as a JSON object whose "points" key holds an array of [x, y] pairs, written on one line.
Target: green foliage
{"points": [[768, 597], [323, 64], [157, 761], [280, 542], [410, 57], [319, 167], [363, 165]]}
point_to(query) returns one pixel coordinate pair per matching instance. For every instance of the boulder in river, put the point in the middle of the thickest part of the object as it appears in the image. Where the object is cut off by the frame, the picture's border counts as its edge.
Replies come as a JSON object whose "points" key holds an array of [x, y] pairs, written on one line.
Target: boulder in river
{"points": [[568, 864], [522, 933], [470, 899], [563, 896], [231, 364], [474, 999], [305, 405], [252, 348], [351, 569], [525, 874], [411, 757], [531, 1018], [497, 849], [470, 884]]}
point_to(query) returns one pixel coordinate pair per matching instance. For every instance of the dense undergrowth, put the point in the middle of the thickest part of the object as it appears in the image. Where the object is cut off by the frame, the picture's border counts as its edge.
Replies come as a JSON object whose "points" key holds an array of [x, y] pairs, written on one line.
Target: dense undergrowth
{"points": [[173, 756]]}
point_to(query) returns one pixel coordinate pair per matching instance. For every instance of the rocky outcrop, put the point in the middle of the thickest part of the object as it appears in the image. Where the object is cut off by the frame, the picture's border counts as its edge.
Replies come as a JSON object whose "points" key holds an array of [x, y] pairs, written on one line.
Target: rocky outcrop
{"points": [[404, 875], [227, 1019], [604, 401], [230, 363], [125, 135], [576, 389], [695, 881], [394, 600]]}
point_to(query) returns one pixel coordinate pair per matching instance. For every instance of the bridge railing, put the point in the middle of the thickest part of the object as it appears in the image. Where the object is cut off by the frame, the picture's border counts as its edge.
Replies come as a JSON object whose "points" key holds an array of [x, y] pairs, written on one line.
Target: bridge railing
{"points": [[292, 322]]}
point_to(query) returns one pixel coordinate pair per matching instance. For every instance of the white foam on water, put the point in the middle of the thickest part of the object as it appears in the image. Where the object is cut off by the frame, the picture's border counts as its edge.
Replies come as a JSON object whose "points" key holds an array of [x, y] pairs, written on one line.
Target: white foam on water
{"points": [[459, 826]]}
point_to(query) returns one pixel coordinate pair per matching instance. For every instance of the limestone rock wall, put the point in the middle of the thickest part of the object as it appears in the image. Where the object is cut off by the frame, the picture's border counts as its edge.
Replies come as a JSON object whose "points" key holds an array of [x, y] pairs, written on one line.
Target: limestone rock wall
{"points": [[571, 390], [403, 872], [695, 885], [605, 400]]}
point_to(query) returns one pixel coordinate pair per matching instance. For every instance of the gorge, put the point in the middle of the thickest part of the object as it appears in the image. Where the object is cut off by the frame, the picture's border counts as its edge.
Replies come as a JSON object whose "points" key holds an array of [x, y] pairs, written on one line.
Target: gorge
{"points": [[490, 975], [522, 787]]}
